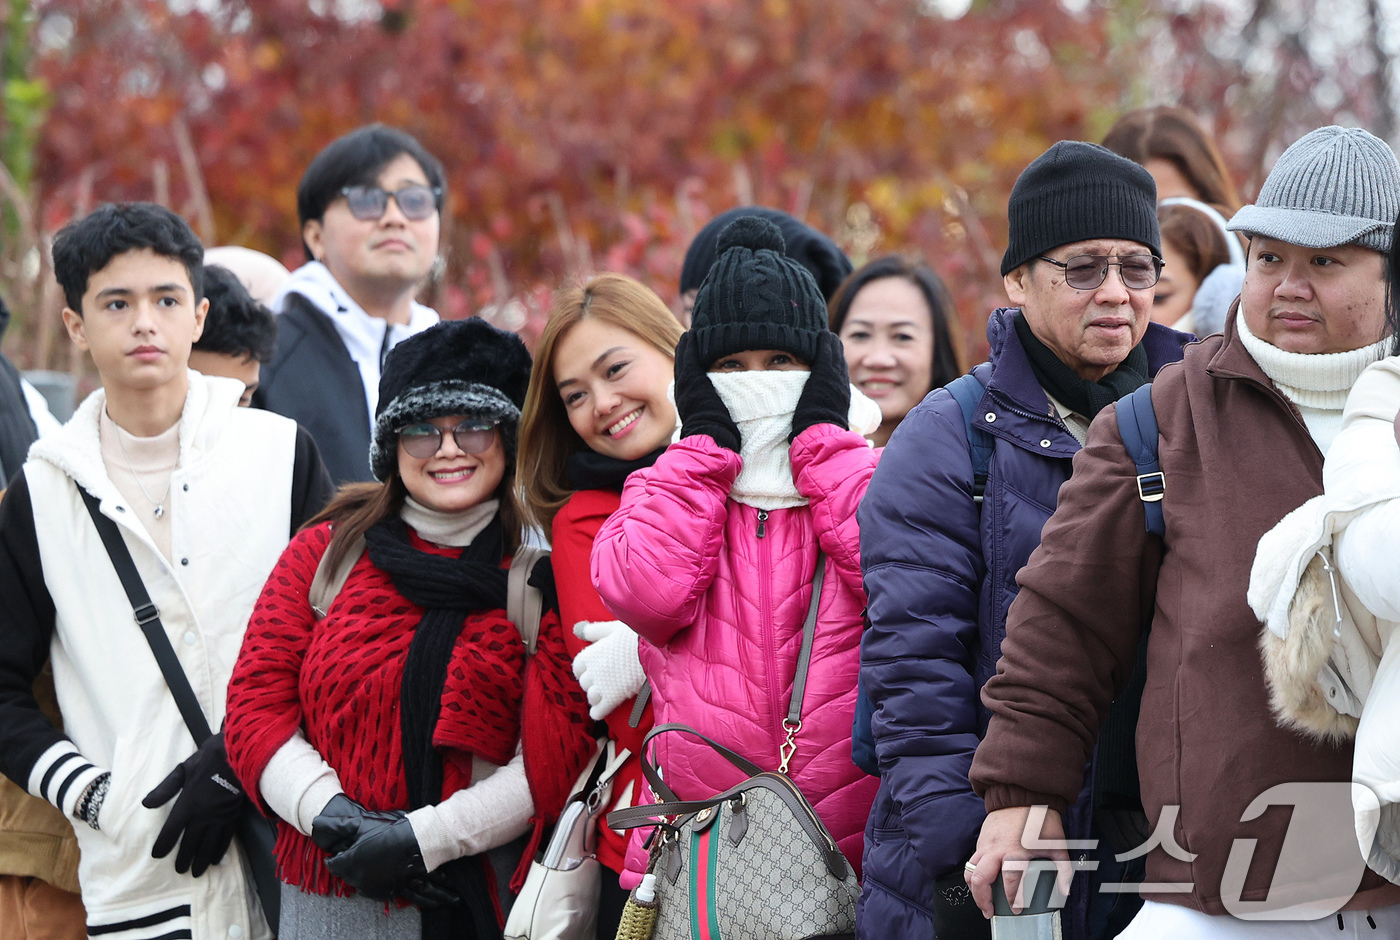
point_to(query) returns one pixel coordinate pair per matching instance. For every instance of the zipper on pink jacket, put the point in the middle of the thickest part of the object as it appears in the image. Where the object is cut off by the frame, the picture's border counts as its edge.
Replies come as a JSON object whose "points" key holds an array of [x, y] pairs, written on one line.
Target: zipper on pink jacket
{"points": [[770, 663]]}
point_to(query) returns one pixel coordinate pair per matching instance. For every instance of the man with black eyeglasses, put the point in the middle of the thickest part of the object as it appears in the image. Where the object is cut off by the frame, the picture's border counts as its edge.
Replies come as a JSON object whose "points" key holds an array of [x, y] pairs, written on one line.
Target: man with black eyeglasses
{"points": [[370, 206], [1250, 820], [956, 507]]}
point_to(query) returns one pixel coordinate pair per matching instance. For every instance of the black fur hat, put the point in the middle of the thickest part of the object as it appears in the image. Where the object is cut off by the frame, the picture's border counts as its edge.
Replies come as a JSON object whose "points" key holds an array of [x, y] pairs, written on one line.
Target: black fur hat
{"points": [[459, 367]]}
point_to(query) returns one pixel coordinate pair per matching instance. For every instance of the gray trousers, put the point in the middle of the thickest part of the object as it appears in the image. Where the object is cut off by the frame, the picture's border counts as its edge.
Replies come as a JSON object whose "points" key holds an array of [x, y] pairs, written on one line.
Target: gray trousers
{"points": [[327, 917]]}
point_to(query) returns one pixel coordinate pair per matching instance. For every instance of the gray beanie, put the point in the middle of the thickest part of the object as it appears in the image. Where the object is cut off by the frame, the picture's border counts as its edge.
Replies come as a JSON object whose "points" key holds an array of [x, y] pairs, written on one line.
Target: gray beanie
{"points": [[1334, 186]]}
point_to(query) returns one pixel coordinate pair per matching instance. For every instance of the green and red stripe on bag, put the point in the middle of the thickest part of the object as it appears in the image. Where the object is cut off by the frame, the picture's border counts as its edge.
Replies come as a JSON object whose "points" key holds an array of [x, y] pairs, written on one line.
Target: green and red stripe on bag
{"points": [[751, 863]]}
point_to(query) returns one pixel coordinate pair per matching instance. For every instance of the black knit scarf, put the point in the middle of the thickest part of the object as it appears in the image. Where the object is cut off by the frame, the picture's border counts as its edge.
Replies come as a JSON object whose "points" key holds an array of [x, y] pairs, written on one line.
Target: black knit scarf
{"points": [[447, 589], [590, 470], [1077, 394]]}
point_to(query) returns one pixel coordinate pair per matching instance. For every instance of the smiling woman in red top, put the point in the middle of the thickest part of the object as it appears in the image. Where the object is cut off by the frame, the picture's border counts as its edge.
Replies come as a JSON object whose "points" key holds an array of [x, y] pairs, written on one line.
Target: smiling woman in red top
{"points": [[596, 410]]}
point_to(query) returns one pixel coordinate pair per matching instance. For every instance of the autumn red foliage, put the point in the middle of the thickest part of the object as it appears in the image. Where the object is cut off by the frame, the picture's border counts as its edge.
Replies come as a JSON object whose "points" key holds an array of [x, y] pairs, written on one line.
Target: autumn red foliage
{"points": [[582, 135]]}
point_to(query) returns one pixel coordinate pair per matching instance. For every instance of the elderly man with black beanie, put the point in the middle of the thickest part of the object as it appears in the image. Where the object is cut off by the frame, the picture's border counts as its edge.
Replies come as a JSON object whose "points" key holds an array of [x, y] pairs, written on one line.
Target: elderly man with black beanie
{"points": [[956, 507], [1243, 424]]}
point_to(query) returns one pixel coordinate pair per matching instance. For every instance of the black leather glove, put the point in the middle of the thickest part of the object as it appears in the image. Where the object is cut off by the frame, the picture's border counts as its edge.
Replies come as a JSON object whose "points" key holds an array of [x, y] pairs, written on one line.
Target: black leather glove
{"points": [[826, 398], [204, 818], [386, 862], [377, 854], [698, 405], [343, 821]]}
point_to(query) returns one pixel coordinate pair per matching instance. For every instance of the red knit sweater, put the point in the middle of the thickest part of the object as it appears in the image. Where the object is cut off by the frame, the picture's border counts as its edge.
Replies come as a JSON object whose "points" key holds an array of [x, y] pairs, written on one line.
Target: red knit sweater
{"points": [[339, 680]]}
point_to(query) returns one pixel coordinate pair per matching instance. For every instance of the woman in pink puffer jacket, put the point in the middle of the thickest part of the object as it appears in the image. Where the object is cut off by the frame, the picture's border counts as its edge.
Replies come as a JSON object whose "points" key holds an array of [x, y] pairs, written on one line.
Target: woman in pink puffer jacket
{"points": [[711, 557]]}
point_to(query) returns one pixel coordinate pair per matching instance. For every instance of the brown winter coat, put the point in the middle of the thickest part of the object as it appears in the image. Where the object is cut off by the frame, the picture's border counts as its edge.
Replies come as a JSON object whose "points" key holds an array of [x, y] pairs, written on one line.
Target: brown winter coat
{"points": [[35, 840], [1237, 458]]}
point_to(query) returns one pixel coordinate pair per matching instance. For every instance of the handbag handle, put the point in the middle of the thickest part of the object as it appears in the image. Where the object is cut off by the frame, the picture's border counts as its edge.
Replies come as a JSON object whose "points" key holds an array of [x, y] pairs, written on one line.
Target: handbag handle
{"points": [[636, 816], [653, 774]]}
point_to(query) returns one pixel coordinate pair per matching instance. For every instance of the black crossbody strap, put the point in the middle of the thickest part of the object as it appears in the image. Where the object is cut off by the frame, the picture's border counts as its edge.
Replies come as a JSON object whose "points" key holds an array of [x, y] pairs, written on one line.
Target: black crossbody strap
{"points": [[257, 834], [148, 619]]}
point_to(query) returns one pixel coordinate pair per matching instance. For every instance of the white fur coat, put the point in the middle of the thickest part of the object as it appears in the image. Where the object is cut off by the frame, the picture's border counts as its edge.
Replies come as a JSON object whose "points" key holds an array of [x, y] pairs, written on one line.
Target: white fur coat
{"points": [[1326, 584]]}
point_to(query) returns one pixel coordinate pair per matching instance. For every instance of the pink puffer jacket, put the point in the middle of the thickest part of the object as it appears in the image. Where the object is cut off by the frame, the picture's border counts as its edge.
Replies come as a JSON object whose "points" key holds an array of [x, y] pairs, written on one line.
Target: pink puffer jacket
{"points": [[718, 591]]}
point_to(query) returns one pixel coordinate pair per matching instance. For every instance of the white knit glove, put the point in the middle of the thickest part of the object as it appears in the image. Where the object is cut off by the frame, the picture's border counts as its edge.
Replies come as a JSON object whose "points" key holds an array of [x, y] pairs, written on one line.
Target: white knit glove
{"points": [[608, 668]]}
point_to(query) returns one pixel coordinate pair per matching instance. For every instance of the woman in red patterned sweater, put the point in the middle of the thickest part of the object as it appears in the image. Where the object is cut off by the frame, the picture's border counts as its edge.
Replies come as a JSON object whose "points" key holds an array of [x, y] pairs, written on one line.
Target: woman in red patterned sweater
{"points": [[597, 409], [404, 735]]}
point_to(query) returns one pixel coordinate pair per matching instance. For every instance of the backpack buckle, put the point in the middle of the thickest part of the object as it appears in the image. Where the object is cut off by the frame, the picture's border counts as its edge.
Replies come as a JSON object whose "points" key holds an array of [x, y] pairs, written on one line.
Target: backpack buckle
{"points": [[1151, 486]]}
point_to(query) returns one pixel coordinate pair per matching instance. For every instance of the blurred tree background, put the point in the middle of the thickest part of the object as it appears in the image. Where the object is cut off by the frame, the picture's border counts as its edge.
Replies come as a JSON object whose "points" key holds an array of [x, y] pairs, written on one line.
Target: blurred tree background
{"points": [[583, 135]]}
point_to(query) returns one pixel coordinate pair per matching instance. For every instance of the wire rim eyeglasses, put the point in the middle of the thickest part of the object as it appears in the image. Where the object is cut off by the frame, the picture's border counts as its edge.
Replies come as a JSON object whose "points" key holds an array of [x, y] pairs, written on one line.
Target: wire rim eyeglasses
{"points": [[1088, 272]]}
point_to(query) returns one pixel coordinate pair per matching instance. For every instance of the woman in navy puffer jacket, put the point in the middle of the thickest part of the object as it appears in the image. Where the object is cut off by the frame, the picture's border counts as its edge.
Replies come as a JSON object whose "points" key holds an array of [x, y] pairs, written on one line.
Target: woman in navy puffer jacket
{"points": [[940, 572]]}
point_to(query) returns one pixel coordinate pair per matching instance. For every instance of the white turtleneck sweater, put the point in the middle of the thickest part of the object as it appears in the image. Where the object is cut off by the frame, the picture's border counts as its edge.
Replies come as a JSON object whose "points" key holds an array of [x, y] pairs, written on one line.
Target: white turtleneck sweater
{"points": [[1316, 384], [141, 467], [298, 783]]}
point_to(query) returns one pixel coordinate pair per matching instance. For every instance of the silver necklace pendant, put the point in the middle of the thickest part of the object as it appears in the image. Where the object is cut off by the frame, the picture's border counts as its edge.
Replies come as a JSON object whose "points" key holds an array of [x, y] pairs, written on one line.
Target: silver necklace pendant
{"points": [[160, 510]]}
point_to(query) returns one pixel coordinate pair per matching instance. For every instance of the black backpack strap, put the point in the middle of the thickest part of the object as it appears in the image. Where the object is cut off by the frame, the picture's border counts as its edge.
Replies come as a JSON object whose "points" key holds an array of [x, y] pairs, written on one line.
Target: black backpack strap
{"points": [[148, 619], [967, 390], [1137, 426]]}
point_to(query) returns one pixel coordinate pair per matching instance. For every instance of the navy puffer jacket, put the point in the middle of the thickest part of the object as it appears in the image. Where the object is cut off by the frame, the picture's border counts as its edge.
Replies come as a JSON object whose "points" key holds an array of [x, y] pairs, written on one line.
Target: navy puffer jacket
{"points": [[941, 573]]}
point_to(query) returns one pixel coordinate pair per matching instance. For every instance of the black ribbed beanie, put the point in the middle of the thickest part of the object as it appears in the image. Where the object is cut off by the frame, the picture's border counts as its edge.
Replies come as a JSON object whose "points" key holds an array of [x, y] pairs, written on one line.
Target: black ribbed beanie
{"points": [[1075, 192], [755, 297]]}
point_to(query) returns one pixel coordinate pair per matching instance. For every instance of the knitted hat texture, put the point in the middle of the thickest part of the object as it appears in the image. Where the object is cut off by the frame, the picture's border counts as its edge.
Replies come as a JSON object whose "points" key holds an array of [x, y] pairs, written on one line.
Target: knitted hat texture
{"points": [[1334, 186], [805, 245], [1075, 192], [458, 367], [756, 297]]}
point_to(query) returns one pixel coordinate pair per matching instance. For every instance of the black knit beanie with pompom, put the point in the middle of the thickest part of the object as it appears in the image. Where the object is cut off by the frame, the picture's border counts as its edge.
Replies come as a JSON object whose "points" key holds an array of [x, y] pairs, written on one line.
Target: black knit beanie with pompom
{"points": [[755, 297]]}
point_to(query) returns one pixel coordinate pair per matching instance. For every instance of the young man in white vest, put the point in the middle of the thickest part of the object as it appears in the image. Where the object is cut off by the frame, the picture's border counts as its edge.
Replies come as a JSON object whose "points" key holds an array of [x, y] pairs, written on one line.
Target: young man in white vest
{"points": [[205, 496]]}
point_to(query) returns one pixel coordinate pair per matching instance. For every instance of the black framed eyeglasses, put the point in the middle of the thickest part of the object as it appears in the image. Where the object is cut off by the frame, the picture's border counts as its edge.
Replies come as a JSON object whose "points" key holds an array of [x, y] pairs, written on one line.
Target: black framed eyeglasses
{"points": [[424, 440], [1087, 272], [369, 203]]}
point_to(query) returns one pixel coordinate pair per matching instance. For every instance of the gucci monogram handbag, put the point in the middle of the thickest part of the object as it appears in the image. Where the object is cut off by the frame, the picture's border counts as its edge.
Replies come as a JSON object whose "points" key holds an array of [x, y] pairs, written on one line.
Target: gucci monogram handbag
{"points": [[753, 862]]}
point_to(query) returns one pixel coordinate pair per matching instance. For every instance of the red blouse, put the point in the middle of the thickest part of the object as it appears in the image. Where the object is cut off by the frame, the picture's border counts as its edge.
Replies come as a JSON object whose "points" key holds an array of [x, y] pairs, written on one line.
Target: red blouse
{"points": [[574, 529]]}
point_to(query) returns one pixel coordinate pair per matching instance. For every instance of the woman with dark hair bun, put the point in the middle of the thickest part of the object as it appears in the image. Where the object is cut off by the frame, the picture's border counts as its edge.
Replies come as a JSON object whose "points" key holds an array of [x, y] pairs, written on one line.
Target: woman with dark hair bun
{"points": [[895, 319], [1170, 143]]}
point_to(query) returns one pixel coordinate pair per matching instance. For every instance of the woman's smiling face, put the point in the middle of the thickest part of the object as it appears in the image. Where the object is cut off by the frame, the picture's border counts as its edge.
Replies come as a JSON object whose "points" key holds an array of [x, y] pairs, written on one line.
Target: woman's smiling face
{"points": [[888, 338], [452, 480], [613, 385]]}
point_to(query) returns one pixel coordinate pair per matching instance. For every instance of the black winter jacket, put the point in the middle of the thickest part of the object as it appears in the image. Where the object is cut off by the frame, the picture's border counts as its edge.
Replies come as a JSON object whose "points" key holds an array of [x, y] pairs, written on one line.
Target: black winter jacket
{"points": [[313, 381]]}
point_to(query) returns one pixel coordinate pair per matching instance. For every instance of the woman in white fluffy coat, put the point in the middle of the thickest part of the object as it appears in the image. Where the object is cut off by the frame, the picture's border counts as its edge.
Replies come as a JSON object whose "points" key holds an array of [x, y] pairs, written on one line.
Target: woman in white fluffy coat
{"points": [[1326, 584]]}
